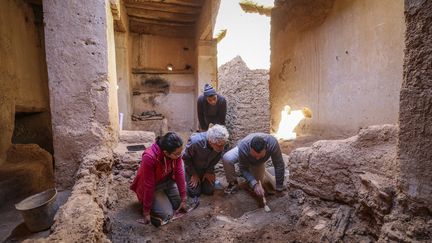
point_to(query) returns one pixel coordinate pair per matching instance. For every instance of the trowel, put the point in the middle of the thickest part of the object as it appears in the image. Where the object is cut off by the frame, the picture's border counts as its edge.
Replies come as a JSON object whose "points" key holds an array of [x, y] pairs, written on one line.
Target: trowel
{"points": [[266, 207]]}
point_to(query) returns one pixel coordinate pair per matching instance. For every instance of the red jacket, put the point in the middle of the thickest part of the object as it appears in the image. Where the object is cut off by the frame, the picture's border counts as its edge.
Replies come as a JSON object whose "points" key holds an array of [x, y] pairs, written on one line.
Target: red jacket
{"points": [[154, 169]]}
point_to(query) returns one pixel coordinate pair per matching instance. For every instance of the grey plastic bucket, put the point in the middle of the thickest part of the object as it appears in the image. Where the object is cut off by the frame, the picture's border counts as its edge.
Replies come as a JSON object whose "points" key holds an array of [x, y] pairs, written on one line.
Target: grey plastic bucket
{"points": [[38, 210]]}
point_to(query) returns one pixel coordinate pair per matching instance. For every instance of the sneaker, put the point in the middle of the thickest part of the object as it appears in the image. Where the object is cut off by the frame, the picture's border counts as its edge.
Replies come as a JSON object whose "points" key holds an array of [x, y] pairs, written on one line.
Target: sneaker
{"points": [[231, 188], [218, 185]]}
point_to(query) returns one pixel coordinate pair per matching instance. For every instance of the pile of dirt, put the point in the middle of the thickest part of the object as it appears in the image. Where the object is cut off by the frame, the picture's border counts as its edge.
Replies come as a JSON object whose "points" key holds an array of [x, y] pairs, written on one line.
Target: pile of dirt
{"points": [[82, 217]]}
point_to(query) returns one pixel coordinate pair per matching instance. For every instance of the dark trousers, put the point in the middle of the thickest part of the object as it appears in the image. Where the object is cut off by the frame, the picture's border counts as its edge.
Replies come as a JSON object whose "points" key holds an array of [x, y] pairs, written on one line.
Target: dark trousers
{"points": [[166, 199], [204, 187]]}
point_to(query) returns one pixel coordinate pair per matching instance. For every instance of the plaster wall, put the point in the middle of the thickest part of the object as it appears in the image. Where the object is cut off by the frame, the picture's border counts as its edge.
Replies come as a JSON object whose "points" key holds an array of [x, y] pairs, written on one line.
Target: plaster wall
{"points": [[123, 57], [206, 71], [82, 81], [155, 52], [177, 105], [415, 120], [342, 59], [150, 56], [23, 75], [207, 65]]}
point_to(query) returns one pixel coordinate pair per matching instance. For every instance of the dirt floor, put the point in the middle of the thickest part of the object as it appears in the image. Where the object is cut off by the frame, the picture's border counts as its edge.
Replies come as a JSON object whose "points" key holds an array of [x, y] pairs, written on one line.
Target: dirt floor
{"points": [[295, 216], [110, 210], [237, 217]]}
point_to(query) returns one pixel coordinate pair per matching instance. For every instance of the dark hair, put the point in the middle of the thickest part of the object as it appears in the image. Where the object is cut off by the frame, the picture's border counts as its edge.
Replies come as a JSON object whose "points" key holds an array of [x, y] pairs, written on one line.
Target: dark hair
{"points": [[258, 144], [169, 142]]}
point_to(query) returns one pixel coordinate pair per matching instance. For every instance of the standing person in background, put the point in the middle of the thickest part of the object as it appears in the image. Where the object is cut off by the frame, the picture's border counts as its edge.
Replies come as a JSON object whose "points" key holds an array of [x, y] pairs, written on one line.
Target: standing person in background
{"points": [[160, 183], [211, 108]]}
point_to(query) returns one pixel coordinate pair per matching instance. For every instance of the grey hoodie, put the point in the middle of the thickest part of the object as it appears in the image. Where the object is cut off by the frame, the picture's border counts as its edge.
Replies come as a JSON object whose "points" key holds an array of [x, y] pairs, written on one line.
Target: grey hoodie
{"points": [[272, 150]]}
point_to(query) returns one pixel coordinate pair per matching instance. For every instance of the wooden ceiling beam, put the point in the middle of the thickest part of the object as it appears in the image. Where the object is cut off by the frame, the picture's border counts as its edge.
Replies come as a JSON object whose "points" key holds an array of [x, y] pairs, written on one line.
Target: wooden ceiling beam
{"points": [[164, 16], [37, 2], [164, 7], [193, 3], [161, 30], [159, 22]]}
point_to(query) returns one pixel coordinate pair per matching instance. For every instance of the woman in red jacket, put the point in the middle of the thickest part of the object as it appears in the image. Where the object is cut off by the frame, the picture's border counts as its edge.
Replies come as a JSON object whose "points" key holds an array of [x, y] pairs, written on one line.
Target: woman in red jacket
{"points": [[160, 183]]}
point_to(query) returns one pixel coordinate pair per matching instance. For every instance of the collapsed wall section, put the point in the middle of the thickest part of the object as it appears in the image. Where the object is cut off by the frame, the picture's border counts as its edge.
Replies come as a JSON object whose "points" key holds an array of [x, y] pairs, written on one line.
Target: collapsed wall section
{"points": [[247, 95]]}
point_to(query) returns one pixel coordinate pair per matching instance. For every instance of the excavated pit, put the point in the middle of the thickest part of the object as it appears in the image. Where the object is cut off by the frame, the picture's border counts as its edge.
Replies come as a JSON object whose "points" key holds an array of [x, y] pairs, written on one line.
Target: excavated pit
{"points": [[240, 216], [326, 209]]}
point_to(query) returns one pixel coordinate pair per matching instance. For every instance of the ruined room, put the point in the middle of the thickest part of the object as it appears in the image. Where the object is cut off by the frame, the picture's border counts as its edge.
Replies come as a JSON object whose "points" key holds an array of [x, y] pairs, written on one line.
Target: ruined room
{"points": [[87, 86]]}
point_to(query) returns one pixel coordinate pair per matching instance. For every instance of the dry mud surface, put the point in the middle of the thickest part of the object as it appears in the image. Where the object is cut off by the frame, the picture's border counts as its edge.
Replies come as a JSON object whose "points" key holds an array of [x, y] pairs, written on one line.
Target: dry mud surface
{"points": [[360, 204], [225, 218]]}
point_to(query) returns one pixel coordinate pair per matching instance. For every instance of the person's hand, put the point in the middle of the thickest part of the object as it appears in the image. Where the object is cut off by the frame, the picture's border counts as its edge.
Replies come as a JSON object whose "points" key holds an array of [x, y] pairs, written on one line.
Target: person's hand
{"points": [[210, 177], [194, 181], [183, 207], [259, 191], [145, 220]]}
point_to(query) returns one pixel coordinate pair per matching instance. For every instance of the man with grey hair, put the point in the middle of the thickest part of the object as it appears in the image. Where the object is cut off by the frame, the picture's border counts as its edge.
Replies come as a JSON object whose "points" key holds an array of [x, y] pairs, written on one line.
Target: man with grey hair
{"points": [[203, 151]]}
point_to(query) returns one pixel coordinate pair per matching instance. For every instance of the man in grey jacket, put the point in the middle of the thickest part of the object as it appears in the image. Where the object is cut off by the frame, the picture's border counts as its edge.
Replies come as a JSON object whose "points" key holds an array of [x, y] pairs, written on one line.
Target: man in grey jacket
{"points": [[203, 151], [251, 153]]}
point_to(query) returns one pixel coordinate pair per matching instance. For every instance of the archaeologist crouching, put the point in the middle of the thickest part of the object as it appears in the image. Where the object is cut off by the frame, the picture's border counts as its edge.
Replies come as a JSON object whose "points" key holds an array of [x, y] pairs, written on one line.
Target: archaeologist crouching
{"points": [[251, 153], [203, 151], [160, 182], [211, 108]]}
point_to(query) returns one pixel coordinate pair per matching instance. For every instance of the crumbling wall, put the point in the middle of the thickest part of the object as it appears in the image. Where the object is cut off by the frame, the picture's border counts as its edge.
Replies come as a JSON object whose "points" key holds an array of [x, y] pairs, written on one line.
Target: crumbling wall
{"points": [[343, 59], [82, 217], [415, 120], [247, 94], [332, 169], [82, 81], [361, 170], [23, 75], [28, 170]]}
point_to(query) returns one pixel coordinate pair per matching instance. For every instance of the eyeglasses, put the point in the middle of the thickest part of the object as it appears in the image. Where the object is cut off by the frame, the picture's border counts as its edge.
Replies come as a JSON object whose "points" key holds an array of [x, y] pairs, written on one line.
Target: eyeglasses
{"points": [[178, 154]]}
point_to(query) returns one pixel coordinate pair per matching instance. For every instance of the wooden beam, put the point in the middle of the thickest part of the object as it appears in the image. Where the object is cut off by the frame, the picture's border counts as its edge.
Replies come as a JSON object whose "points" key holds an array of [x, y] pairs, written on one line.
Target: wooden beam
{"points": [[161, 71], [185, 31], [193, 3], [146, 21], [164, 16], [164, 7], [207, 19], [37, 2]]}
